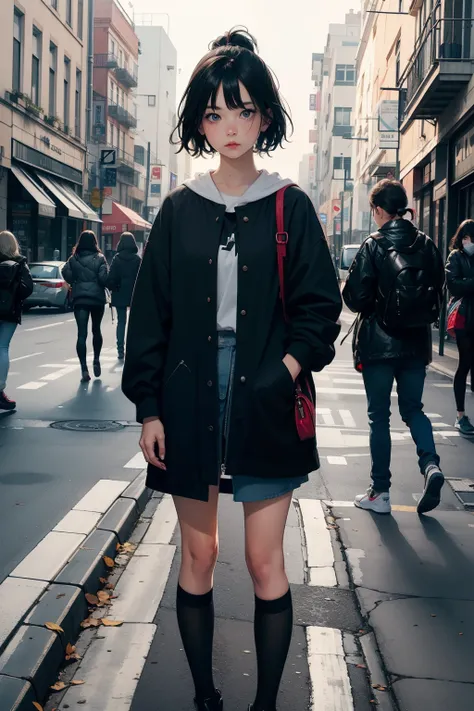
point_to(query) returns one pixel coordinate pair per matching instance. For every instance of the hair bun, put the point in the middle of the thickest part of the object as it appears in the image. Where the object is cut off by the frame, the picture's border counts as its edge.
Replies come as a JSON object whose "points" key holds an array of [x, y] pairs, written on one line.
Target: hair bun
{"points": [[236, 37], [402, 211]]}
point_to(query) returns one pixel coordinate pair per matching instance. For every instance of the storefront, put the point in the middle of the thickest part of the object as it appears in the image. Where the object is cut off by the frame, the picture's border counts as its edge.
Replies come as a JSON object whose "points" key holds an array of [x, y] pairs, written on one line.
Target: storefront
{"points": [[123, 219], [463, 173]]}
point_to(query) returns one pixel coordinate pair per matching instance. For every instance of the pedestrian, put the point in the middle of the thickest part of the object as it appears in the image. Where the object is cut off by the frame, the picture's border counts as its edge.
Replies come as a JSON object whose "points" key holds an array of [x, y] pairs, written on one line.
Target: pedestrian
{"points": [[16, 285], [460, 281], [211, 363], [86, 271], [396, 285], [122, 277]]}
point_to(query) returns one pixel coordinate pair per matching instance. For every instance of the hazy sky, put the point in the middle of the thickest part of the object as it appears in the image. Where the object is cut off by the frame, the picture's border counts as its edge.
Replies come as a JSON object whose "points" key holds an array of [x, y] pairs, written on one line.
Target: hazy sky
{"points": [[287, 33]]}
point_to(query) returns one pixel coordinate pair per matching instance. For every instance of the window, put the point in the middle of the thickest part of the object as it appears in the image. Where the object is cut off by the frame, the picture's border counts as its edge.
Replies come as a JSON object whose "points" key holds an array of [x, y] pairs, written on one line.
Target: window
{"points": [[112, 47], [69, 12], [139, 156], [342, 116], [17, 49], [77, 103], [53, 67], [340, 162], [80, 18], [111, 91], [36, 67], [152, 100], [120, 60], [345, 74], [123, 142], [397, 62], [54, 4], [67, 91]]}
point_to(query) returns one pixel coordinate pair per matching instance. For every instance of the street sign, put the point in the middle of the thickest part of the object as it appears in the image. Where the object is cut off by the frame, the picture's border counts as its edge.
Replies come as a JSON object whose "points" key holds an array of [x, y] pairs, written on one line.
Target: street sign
{"points": [[95, 198], [108, 157], [155, 189], [323, 217], [388, 124], [110, 177]]}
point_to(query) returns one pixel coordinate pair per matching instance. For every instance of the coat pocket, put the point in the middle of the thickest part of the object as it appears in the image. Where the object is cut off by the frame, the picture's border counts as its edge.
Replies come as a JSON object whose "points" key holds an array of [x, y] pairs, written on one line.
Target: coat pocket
{"points": [[176, 370], [272, 410]]}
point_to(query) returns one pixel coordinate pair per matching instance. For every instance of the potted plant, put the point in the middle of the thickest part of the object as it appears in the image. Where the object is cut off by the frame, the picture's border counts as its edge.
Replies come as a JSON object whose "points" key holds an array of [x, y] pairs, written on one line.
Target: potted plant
{"points": [[52, 121], [32, 108], [15, 96]]}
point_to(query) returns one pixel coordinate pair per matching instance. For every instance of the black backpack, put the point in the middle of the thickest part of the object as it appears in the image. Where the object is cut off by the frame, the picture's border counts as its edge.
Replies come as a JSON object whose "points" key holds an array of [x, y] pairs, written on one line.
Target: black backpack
{"points": [[10, 280], [407, 295]]}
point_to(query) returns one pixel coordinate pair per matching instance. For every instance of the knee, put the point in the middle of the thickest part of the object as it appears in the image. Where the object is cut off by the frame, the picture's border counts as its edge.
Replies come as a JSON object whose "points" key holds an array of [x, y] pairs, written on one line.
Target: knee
{"points": [[379, 416], [200, 557], [408, 413], [264, 565]]}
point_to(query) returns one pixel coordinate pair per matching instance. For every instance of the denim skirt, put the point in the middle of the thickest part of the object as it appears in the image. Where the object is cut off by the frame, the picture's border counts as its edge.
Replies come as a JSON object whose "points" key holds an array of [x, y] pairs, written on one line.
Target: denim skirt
{"points": [[246, 488]]}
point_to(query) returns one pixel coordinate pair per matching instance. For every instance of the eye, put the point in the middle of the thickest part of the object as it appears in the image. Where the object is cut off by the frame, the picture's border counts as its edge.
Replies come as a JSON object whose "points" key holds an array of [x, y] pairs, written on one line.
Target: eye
{"points": [[213, 118], [247, 113]]}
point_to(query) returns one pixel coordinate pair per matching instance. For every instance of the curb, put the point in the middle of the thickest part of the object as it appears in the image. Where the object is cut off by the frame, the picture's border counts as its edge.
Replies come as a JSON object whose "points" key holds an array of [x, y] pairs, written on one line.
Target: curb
{"points": [[439, 368], [31, 654]]}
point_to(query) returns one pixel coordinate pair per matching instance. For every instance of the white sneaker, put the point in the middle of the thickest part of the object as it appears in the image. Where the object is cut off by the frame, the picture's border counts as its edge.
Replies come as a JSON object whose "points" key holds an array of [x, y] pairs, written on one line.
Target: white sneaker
{"points": [[379, 502]]}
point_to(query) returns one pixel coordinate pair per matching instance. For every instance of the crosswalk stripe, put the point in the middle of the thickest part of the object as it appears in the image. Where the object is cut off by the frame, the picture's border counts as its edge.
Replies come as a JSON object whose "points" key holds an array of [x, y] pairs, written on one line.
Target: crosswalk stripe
{"points": [[347, 418], [330, 684], [31, 386]]}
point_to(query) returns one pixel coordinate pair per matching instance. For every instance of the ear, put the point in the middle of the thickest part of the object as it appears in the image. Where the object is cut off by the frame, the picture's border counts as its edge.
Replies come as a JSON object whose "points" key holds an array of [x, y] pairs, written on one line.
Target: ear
{"points": [[266, 121]]}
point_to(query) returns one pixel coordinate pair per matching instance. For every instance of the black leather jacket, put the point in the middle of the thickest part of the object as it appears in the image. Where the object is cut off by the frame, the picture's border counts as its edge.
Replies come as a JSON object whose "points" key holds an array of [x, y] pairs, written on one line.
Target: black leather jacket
{"points": [[87, 273], [371, 342], [460, 281], [26, 287]]}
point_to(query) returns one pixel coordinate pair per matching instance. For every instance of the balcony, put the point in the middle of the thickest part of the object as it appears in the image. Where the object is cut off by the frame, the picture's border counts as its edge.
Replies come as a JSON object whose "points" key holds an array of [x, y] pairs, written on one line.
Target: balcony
{"points": [[126, 170], [121, 115], [126, 77], [105, 61], [441, 65]]}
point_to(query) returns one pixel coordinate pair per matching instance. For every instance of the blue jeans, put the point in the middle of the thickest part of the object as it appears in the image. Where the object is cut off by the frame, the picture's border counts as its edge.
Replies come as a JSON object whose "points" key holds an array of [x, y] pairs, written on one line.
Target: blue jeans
{"points": [[6, 333], [378, 381], [121, 326]]}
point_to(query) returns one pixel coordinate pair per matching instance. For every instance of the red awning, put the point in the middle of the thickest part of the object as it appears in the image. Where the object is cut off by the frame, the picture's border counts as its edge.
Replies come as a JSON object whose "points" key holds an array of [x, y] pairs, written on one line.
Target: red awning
{"points": [[123, 219]]}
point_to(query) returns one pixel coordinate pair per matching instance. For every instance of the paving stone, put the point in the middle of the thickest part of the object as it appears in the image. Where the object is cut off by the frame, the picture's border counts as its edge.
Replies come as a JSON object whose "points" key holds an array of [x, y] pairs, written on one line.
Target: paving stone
{"points": [[112, 667], [63, 604], [138, 491], [49, 556], [17, 597], [420, 694], [101, 496], [120, 519], [16, 694], [34, 654], [164, 522], [87, 565]]}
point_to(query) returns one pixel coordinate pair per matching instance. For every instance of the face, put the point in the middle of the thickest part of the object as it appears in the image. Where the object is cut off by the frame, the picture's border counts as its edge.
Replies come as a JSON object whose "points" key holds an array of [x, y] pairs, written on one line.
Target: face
{"points": [[233, 132], [380, 216], [466, 241]]}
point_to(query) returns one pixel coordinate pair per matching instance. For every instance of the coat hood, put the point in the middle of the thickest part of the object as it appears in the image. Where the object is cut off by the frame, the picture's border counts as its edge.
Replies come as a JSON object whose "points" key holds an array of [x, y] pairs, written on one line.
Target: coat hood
{"points": [[265, 185], [127, 243]]}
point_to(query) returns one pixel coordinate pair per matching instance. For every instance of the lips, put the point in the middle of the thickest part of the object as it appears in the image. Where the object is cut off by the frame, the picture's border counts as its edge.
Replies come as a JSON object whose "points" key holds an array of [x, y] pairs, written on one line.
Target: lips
{"points": [[233, 144]]}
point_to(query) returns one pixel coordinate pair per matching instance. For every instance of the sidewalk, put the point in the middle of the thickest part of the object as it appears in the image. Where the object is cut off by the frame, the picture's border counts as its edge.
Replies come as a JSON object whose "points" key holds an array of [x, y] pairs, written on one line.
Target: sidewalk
{"points": [[448, 363]]}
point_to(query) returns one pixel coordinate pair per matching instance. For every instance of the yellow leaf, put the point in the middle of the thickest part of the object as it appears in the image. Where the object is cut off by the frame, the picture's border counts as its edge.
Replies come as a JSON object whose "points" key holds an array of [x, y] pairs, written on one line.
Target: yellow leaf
{"points": [[92, 599], [108, 561], [53, 627], [90, 622], [103, 596], [37, 706], [118, 547], [129, 547], [110, 586], [58, 686], [77, 682], [111, 623], [103, 580], [70, 648]]}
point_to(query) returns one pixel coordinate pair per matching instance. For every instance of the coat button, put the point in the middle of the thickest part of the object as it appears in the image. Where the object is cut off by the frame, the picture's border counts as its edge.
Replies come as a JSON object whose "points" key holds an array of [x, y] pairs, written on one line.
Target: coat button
{"points": [[209, 338], [208, 299], [246, 219], [245, 268], [243, 379], [217, 218], [210, 428], [209, 383], [210, 261], [243, 312]]}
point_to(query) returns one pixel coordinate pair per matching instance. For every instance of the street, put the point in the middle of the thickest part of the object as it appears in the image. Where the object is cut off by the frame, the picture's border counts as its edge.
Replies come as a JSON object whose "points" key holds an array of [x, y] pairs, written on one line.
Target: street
{"points": [[382, 602]]}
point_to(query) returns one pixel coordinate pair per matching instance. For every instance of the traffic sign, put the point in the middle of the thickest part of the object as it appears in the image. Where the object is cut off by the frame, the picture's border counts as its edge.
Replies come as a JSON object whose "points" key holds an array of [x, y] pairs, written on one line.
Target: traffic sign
{"points": [[110, 177], [95, 198], [108, 157], [323, 217]]}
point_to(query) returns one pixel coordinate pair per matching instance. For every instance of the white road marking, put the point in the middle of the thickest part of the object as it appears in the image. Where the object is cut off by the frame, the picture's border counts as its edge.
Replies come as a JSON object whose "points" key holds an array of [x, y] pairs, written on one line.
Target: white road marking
{"points": [[17, 596], [49, 556], [330, 684], [31, 355], [432, 415], [442, 385], [48, 325], [60, 373], [78, 522], [328, 419], [164, 522], [101, 496], [136, 462], [345, 391], [440, 424], [346, 381], [347, 419], [31, 386], [319, 552], [341, 461]]}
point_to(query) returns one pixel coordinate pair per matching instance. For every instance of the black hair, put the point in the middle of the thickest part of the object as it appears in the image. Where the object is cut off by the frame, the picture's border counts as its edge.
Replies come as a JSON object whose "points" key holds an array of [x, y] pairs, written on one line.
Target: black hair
{"points": [[465, 229], [232, 58], [87, 242], [391, 196], [127, 241]]}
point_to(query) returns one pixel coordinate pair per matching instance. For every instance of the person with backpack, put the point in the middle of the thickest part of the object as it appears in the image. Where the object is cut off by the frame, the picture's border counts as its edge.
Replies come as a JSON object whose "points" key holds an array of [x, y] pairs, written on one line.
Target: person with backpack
{"points": [[16, 285], [396, 285], [86, 271], [460, 282], [121, 281]]}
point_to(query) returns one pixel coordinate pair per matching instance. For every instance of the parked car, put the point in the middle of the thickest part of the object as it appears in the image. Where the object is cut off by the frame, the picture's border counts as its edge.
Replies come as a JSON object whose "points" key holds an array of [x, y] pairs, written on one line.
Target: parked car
{"points": [[348, 252], [49, 287]]}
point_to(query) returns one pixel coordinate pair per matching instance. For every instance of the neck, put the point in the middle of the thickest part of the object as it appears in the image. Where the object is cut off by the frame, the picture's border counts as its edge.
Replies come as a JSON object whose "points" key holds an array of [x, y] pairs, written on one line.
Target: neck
{"points": [[233, 176]]}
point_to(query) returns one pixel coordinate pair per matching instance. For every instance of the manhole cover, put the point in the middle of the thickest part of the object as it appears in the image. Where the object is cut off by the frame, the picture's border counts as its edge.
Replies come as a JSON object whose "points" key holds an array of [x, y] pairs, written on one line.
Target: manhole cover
{"points": [[88, 426]]}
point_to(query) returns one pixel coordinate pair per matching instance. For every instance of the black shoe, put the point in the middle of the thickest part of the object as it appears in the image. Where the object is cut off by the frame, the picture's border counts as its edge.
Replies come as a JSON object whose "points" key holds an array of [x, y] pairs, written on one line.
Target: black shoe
{"points": [[85, 376], [6, 403], [215, 703], [97, 368], [121, 355], [434, 480]]}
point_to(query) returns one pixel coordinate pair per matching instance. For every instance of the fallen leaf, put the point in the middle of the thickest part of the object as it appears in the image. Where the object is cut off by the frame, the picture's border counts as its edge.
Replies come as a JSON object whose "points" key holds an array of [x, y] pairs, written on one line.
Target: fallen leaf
{"points": [[111, 623], [361, 666], [70, 648], [58, 597], [58, 686], [129, 547], [90, 622], [118, 547], [110, 586], [379, 687], [37, 706], [108, 561], [77, 682], [53, 627], [103, 580], [103, 596], [92, 599]]}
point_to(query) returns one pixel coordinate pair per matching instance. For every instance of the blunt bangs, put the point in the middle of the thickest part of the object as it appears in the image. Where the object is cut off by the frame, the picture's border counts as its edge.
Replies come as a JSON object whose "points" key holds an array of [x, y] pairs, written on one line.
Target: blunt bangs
{"points": [[227, 66]]}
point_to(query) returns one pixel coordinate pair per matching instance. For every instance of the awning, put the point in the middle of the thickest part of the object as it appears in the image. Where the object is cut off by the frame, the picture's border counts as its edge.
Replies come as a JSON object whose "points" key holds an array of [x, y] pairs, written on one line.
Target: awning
{"points": [[123, 219], [75, 206], [46, 207]]}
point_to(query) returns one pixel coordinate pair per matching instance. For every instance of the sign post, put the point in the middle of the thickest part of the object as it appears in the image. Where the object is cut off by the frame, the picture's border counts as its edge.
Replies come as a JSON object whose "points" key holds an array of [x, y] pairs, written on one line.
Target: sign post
{"points": [[108, 161]]}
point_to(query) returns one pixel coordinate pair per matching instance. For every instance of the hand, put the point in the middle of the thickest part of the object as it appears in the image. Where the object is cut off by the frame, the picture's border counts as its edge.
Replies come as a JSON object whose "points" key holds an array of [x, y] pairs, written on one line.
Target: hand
{"points": [[153, 434], [293, 366]]}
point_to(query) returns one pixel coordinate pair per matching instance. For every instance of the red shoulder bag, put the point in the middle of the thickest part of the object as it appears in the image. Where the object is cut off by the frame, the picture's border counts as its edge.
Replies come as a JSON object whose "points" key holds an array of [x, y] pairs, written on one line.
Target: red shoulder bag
{"points": [[305, 412]]}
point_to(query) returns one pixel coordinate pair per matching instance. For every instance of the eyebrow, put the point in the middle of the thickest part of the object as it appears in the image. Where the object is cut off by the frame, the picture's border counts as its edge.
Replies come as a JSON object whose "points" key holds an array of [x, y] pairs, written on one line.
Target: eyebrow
{"points": [[217, 108]]}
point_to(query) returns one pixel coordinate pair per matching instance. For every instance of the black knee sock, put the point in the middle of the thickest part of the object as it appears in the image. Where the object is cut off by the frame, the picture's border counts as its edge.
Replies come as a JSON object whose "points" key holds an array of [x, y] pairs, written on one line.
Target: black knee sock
{"points": [[273, 630], [196, 624]]}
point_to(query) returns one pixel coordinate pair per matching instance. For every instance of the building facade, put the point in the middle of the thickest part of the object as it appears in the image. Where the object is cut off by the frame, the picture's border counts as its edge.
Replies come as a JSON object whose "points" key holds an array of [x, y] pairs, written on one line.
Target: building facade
{"points": [[43, 98]]}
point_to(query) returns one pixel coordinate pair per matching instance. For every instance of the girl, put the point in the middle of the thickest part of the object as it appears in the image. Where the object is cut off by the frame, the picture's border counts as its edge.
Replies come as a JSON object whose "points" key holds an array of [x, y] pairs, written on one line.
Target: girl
{"points": [[210, 361], [122, 276], [460, 279], [16, 285], [86, 271]]}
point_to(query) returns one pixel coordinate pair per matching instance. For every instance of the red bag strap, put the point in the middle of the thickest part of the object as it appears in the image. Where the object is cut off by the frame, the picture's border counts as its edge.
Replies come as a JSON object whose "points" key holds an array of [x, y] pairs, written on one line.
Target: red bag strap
{"points": [[281, 242]]}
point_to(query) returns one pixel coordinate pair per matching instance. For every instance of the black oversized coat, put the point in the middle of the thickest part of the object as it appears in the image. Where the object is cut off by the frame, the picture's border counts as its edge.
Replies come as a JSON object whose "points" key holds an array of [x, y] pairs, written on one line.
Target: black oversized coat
{"points": [[171, 363]]}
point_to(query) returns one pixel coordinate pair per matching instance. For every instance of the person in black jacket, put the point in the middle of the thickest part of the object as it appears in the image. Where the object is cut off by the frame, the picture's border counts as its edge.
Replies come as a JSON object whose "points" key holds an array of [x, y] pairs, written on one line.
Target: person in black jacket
{"points": [[12, 294], [460, 281], [87, 271], [121, 281], [385, 355], [210, 361]]}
